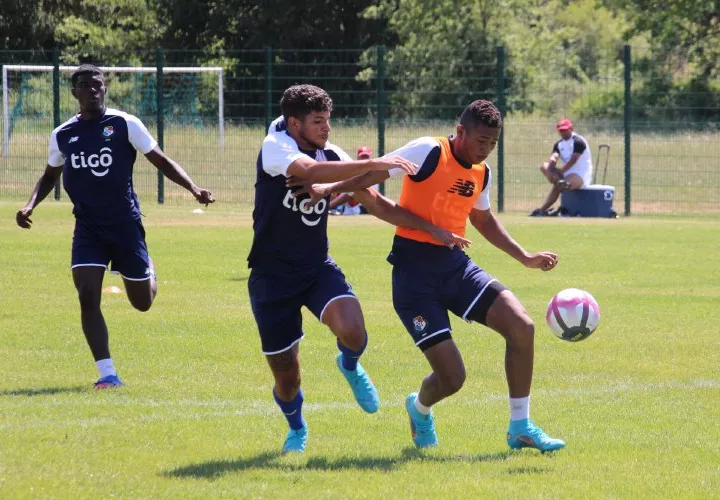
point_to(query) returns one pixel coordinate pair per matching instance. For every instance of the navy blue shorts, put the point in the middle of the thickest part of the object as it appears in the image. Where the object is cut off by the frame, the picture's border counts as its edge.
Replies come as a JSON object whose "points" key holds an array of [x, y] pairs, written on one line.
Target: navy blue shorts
{"points": [[276, 303], [422, 298], [121, 244]]}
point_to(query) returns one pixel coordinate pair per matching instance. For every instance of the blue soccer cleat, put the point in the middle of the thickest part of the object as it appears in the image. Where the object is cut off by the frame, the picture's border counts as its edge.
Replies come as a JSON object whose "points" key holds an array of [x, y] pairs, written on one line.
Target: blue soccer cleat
{"points": [[296, 441], [365, 393], [525, 434], [107, 383], [421, 426]]}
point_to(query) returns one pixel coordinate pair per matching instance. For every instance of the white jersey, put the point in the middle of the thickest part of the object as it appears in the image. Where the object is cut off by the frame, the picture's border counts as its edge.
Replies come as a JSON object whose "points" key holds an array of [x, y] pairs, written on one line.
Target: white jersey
{"points": [[565, 148]]}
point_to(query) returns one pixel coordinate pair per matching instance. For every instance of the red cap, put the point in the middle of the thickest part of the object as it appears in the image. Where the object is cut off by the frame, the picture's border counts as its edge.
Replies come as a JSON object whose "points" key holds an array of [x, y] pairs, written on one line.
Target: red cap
{"points": [[564, 124], [364, 151]]}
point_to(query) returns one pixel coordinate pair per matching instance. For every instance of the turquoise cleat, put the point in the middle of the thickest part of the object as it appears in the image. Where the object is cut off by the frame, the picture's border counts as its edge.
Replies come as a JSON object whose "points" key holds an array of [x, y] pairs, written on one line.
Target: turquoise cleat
{"points": [[421, 426], [365, 393], [525, 434], [107, 383], [296, 441]]}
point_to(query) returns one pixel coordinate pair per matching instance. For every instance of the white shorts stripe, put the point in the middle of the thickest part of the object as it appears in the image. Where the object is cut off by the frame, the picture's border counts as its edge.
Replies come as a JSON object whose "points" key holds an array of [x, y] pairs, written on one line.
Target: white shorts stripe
{"points": [[472, 304], [135, 279], [332, 300], [284, 349], [431, 336], [88, 265]]}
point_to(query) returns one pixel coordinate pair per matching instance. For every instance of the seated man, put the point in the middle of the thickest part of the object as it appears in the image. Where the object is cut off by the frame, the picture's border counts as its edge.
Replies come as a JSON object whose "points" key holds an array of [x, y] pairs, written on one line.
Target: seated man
{"points": [[343, 203], [576, 170]]}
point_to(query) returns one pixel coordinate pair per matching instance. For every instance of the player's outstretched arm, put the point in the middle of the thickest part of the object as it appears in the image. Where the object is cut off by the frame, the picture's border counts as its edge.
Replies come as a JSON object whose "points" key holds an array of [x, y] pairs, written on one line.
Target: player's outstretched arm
{"points": [[334, 171], [175, 173], [389, 211], [44, 185], [492, 230], [319, 191]]}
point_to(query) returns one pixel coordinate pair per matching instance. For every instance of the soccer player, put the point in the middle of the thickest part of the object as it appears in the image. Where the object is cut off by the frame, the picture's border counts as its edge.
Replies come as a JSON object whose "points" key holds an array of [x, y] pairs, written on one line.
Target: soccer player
{"points": [[289, 257], [429, 279], [95, 152]]}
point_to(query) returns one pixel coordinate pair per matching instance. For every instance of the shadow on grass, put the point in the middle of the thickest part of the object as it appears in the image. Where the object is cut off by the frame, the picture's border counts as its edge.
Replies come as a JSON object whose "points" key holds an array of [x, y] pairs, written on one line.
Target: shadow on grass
{"points": [[238, 278], [44, 391], [274, 460]]}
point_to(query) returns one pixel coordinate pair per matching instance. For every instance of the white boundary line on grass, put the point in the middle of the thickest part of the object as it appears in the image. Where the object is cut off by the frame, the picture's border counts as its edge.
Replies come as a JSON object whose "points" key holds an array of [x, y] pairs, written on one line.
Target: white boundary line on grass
{"points": [[267, 408]]}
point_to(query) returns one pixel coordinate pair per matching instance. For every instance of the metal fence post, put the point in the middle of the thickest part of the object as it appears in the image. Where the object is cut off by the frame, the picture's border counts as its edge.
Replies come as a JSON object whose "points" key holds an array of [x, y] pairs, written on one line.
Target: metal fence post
{"points": [[627, 116], [381, 104], [56, 102], [160, 112], [268, 86], [501, 139]]}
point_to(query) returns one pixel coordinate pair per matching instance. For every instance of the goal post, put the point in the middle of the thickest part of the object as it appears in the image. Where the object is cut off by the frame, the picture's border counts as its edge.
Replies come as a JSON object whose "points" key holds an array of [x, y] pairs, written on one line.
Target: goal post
{"points": [[19, 68]]}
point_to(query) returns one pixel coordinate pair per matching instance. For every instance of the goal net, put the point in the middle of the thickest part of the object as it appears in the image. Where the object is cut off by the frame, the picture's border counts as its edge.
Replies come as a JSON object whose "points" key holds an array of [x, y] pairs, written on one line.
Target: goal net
{"points": [[192, 97]]}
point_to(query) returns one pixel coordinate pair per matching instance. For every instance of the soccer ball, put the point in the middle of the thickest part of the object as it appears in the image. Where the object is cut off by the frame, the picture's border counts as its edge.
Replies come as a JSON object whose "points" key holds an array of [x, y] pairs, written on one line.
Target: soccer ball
{"points": [[573, 315]]}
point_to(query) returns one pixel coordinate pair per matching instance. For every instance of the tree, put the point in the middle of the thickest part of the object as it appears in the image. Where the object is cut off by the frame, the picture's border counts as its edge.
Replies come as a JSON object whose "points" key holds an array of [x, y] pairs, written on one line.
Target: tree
{"points": [[445, 54], [114, 32], [677, 76]]}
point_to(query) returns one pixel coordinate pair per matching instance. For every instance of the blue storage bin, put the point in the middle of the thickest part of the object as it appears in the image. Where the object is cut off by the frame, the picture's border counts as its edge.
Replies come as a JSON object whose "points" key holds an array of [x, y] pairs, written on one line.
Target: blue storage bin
{"points": [[595, 200]]}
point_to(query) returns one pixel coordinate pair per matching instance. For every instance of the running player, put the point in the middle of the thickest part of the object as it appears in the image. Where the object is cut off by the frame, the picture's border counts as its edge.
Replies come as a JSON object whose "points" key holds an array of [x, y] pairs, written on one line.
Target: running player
{"points": [[95, 152]]}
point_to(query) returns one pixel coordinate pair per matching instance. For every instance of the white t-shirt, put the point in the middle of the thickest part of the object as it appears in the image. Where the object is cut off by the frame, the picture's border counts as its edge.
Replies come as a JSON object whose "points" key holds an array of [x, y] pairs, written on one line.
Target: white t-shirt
{"points": [[565, 148]]}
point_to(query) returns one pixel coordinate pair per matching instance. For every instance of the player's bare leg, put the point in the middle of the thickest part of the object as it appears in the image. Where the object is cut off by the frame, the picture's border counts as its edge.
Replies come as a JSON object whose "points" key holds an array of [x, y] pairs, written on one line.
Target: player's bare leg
{"points": [[141, 293], [448, 375], [88, 282], [509, 318], [345, 318], [447, 378], [285, 367]]}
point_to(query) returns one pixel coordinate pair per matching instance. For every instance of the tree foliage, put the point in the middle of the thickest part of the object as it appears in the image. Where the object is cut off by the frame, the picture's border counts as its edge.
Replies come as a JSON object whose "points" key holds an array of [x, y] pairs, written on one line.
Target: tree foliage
{"points": [[562, 55]]}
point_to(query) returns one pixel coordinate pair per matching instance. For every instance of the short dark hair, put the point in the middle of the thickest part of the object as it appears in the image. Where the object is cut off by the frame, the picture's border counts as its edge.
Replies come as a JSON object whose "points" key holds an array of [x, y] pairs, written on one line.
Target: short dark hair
{"points": [[300, 100], [481, 112], [86, 69]]}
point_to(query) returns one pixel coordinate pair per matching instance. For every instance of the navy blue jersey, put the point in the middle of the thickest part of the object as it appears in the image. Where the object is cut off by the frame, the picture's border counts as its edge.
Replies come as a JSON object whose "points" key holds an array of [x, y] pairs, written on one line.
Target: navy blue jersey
{"points": [[290, 236], [97, 157]]}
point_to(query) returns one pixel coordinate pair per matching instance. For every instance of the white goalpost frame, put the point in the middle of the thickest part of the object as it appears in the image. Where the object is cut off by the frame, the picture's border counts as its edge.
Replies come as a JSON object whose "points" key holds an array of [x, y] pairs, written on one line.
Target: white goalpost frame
{"points": [[115, 69]]}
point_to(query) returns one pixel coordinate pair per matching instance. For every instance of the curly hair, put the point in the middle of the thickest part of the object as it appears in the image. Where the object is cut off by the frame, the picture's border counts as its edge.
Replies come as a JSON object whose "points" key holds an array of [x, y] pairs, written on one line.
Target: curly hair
{"points": [[86, 69], [300, 100], [481, 112]]}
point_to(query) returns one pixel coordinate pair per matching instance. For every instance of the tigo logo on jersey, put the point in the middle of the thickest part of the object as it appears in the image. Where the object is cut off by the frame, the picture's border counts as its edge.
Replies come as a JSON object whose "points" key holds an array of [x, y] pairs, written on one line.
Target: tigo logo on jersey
{"points": [[419, 323], [463, 188], [304, 206], [103, 160], [108, 131]]}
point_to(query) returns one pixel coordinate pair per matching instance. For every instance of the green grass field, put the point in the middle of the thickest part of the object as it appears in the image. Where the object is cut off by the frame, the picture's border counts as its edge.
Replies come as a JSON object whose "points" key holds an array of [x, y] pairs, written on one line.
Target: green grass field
{"points": [[637, 402]]}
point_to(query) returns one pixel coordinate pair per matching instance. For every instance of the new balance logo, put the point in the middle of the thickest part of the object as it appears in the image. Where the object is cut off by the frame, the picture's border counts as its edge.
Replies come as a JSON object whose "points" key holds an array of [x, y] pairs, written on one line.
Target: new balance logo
{"points": [[463, 188], [73, 139]]}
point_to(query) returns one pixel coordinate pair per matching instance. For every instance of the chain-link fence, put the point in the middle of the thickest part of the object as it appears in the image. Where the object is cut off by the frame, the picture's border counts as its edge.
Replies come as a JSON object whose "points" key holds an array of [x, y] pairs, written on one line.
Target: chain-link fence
{"points": [[210, 113]]}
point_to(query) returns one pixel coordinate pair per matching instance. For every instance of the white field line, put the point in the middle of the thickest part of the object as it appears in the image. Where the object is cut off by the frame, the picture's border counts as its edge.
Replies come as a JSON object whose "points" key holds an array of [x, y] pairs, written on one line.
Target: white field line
{"points": [[187, 409]]}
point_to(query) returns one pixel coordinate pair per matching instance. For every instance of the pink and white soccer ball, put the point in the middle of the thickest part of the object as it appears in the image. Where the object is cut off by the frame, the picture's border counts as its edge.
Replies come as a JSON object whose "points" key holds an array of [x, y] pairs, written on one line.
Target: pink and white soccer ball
{"points": [[573, 314]]}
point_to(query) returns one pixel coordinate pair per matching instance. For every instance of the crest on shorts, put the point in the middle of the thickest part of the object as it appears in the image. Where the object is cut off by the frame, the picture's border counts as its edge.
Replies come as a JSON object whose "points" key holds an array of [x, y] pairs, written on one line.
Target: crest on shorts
{"points": [[108, 131], [419, 323]]}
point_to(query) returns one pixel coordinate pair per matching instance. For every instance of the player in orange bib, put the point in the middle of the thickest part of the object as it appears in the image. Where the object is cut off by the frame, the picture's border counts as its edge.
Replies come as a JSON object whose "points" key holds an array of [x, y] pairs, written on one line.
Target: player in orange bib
{"points": [[429, 279]]}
